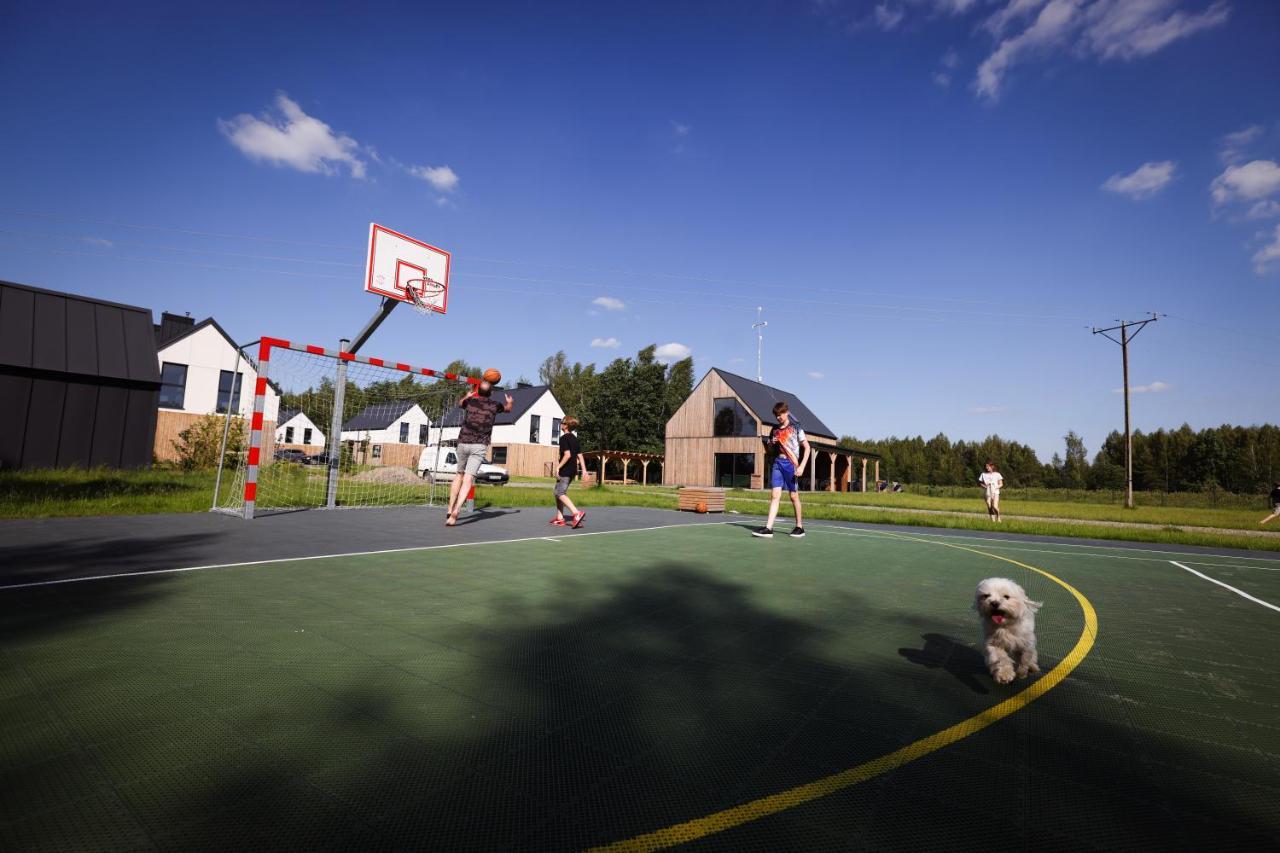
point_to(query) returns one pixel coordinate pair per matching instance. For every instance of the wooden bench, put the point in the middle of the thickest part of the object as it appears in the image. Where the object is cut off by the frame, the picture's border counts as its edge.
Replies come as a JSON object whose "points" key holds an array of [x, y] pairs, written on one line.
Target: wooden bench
{"points": [[690, 496]]}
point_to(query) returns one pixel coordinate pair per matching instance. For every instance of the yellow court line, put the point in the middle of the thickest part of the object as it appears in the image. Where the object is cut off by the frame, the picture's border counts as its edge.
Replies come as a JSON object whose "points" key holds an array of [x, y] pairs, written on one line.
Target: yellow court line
{"points": [[682, 833]]}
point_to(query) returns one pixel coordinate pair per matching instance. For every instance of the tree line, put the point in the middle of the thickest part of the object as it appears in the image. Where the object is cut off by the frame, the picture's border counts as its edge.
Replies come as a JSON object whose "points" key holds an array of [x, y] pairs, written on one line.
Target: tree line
{"points": [[624, 406], [1240, 459]]}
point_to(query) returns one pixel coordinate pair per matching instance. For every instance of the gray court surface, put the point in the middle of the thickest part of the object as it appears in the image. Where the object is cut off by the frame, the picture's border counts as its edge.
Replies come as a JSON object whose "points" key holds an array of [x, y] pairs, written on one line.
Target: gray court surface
{"points": [[36, 550]]}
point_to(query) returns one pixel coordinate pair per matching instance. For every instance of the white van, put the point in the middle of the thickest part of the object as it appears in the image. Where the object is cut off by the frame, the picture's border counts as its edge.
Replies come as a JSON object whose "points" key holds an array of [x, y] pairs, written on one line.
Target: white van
{"points": [[441, 463]]}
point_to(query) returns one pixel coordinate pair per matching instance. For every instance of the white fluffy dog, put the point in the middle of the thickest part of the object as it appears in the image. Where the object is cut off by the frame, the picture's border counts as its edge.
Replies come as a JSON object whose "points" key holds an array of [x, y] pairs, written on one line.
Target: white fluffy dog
{"points": [[1008, 628]]}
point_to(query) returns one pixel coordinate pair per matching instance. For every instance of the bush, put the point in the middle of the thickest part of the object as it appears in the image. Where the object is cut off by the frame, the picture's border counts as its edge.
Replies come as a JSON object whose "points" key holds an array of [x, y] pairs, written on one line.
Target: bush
{"points": [[198, 444]]}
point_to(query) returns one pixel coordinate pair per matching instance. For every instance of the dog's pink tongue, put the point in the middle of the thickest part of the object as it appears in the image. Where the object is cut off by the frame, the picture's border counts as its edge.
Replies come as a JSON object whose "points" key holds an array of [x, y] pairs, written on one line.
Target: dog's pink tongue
{"points": [[997, 618]]}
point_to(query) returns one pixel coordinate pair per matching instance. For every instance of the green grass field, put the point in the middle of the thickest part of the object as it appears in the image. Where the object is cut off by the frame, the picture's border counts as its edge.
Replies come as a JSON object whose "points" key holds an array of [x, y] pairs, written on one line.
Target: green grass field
{"points": [[584, 690]]}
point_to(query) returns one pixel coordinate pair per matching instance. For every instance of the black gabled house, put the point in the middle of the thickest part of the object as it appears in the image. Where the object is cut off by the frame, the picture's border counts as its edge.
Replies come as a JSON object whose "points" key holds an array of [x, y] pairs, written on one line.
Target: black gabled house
{"points": [[79, 381]]}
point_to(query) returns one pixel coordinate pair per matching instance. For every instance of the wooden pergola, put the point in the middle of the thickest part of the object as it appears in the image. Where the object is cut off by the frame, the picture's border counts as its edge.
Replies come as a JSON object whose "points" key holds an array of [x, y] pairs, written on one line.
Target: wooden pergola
{"points": [[626, 457]]}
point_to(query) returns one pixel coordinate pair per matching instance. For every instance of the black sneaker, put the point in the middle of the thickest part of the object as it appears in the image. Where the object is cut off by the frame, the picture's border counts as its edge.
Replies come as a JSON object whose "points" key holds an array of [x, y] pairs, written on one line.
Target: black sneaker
{"points": [[763, 532], [797, 533]]}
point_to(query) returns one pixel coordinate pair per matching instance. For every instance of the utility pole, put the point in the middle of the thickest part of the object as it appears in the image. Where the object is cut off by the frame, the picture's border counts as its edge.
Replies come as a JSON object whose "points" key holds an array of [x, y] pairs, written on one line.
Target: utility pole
{"points": [[1125, 337], [759, 325]]}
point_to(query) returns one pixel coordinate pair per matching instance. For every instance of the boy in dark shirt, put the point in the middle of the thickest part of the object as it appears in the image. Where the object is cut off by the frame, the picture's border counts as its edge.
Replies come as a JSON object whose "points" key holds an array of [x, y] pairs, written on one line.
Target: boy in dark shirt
{"points": [[1275, 503], [570, 465], [478, 415]]}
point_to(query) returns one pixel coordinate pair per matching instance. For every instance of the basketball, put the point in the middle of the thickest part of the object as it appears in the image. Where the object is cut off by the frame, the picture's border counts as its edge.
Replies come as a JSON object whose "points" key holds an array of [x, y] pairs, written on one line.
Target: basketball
{"points": [[493, 376], [701, 507]]}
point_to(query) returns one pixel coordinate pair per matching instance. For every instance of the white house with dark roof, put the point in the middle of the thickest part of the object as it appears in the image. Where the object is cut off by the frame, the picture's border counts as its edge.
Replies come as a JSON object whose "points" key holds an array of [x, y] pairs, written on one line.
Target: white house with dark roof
{"points": [[297, 431], [388, 433], [526, 440], [716, 439], [199, 375]]}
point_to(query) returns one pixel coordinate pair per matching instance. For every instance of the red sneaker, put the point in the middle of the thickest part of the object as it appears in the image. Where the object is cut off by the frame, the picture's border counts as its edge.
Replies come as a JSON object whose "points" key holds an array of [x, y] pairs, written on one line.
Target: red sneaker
{"points": [[558, 522], [577, 519]]}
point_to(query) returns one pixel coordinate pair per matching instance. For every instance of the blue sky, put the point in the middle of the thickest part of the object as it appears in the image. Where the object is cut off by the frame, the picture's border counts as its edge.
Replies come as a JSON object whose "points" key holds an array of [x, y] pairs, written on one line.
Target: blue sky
{"points": [[932, 199]]}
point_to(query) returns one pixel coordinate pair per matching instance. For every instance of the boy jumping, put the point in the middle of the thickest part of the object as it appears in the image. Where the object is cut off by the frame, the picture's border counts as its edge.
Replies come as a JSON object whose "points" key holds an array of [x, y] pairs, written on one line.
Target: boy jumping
{"points": [[789, 442]]}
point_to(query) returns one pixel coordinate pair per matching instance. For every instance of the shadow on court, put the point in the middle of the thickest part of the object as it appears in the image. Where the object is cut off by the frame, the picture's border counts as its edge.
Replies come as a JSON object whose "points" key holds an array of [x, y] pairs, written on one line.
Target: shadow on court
{"points": [[672, 697], [60, 558], [963, 663]]}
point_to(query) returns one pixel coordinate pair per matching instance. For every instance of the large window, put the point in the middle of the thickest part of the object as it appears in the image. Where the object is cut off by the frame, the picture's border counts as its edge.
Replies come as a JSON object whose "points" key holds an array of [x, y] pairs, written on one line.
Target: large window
{"points": [[555, 430], [535, 425], [734, 470], [732, 419], [229, 390], [499, 456], [173, 385], [422, 433], [404, 433], [306, 435], [288, 435]]}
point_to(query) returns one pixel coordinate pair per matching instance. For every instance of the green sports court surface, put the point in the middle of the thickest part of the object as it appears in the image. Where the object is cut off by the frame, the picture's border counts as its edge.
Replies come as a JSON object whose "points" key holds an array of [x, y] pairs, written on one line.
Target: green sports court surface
{"points": [[646, 687]]}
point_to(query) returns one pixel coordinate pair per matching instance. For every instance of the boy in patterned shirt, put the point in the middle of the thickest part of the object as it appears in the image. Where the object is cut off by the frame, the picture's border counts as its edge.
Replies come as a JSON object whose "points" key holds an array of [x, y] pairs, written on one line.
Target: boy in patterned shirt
{"points": [[791, 445]]}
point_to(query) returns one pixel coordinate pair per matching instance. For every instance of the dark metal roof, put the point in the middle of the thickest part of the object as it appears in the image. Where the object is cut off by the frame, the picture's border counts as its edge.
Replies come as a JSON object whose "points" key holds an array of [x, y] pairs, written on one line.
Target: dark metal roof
{"points": [[760, 399], [379, 415], [65, 333], [171, 326], [522, 398]]}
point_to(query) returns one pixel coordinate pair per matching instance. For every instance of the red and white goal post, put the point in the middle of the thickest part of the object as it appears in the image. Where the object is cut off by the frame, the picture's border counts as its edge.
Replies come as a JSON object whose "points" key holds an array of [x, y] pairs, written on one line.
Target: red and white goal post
{"points": [[335, 429]]}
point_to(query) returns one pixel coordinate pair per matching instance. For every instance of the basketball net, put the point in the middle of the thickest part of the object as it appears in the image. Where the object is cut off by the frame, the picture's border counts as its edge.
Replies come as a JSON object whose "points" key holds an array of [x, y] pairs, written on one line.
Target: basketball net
{"points": [[419, 287]]}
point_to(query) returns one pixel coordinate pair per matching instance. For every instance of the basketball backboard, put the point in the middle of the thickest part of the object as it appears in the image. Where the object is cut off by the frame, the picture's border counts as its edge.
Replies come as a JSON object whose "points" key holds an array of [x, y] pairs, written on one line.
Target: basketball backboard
{"points": [[398, 262]]}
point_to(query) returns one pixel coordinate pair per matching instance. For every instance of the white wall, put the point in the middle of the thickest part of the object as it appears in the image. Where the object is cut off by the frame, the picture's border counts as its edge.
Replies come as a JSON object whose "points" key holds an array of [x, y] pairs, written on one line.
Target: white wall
{"points": [[205, 354], [518, 433], [415, 417], [300, 423]]}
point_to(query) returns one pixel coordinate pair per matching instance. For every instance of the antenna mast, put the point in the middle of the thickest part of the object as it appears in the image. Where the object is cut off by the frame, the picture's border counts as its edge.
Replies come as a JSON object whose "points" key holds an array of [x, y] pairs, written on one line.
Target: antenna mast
{"points": [[758, 325]]}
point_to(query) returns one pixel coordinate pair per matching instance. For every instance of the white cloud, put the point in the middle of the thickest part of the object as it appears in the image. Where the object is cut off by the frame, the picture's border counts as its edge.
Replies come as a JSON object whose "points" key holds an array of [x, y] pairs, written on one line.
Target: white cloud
{"points": [[1231, 147], [1153, 388], [887, 17], [1255, 180], [667, 353], [1144, 182], [99, 242], [441, 178], [608, 303], [814, 374], [942, 79], [294, 139], [1101, 29], [605, 343], [1268, 255], [986, 410], [680, 129], [951, 59], [1052, 28], [1264, 210]]}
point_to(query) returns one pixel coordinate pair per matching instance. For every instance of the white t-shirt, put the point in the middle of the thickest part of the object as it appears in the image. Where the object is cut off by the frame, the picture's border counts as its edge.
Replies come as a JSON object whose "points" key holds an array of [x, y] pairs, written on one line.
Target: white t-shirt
{"points": [[992, 481]]}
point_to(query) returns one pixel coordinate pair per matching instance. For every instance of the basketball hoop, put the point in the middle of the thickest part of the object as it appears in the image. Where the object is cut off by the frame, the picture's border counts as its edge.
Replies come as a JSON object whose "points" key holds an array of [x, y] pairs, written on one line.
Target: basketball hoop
{"points": [[425, 295]]}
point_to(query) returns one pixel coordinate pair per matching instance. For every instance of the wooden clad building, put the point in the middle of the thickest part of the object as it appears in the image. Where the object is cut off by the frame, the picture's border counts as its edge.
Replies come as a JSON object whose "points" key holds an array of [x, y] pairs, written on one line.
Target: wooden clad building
{"points": [[715, 439]]}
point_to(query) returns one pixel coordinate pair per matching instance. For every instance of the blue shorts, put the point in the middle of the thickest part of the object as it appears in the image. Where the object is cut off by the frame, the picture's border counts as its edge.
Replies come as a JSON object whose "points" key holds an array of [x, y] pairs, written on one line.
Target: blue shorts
{"points": [[783, 475]]}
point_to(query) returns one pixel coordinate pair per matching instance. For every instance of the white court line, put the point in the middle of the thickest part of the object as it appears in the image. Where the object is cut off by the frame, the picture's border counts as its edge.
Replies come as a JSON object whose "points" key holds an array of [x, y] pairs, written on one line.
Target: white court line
{"points": [[348, 554], [1238, 592], [945, 536]]}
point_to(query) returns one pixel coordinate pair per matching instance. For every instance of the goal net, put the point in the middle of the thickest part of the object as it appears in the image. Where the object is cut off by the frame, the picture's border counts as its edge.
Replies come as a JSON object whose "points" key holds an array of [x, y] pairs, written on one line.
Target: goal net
{"points": [[333, 429]]}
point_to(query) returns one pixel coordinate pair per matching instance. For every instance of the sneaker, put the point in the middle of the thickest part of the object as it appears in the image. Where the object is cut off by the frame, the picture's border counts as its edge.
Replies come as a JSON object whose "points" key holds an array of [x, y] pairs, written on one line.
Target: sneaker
{"points": [[763, 532], [577, 519], [558, 522], [796, 533]]}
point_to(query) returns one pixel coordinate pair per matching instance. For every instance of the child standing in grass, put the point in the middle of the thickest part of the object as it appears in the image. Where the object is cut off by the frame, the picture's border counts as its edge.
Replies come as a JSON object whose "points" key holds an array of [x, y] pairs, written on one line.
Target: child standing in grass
{"points": [[1275, 503], [992, 482], [788, 441]]}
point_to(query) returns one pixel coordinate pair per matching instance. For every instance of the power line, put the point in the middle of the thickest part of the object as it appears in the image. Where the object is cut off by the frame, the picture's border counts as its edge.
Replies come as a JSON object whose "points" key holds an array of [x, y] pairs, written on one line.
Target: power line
{"points": [[765, 287], [1125, 338]]}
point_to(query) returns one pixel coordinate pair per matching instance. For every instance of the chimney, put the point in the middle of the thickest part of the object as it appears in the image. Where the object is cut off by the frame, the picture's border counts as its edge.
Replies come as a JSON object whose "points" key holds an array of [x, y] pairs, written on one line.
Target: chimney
{"points": [[524, 384], [171, 326]]}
